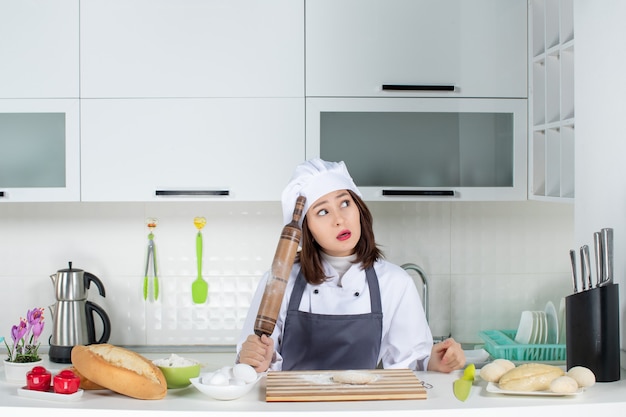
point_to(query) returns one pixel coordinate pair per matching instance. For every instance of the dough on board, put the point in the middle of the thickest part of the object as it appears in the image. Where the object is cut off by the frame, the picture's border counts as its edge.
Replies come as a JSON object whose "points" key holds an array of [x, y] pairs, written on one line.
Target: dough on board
{"points": [[354, 377]]}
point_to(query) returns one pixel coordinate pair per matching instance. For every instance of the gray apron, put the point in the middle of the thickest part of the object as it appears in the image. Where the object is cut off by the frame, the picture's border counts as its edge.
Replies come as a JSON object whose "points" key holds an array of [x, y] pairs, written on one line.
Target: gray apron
{"points": [[328, 341]]}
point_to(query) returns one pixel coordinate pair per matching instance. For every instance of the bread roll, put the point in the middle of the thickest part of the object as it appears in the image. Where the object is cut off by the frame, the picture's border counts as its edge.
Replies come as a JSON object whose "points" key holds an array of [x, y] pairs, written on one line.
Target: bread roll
{"points": [[492, 372], [564, 385], [530, 377], [505, 363], [120, 370], [583, 376]]}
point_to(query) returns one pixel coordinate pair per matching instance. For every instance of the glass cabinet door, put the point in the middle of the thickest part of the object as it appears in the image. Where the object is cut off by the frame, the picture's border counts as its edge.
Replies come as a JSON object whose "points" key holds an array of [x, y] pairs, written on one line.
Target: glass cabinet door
{"points": [[424, 148], [39, 157]]}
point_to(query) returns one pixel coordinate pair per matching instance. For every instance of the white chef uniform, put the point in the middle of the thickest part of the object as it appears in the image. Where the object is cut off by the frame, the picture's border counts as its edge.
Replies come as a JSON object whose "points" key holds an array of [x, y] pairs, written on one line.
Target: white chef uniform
{"points": [[406, 338]]}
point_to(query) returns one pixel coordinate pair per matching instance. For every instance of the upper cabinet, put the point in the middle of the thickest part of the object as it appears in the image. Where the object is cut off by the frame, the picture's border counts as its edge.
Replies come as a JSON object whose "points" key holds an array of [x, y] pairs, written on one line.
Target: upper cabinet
{"points": [[551, 100], [192, 48], [176, 149], [39, 49], [39, 150], [382, 48]]}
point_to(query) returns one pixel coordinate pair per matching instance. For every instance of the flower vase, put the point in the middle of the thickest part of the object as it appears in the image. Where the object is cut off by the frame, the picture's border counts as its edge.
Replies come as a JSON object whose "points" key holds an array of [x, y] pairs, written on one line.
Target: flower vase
{"points": [[15, 372]]}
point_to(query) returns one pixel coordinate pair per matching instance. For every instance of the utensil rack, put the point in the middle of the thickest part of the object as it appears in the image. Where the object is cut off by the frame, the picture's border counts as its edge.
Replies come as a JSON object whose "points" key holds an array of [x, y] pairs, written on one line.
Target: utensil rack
{"points": [[501, 344]]}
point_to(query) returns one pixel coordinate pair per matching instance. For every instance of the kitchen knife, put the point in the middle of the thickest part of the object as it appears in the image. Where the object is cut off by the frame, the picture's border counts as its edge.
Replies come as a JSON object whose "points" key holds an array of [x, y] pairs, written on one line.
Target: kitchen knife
{"points": [[587, 262], [572, 257], [583, 269], [597, 245], [607, 258]]}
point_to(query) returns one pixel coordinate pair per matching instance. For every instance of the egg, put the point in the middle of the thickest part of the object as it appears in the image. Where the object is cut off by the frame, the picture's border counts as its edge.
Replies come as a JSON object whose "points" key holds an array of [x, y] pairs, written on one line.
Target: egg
{"points": [[244, 372], [218, 378]]}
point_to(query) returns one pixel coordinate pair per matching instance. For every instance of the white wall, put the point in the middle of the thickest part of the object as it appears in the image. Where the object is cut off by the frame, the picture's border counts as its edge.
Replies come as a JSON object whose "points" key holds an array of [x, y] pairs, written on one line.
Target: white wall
{"points": [[486, 261], [600, 65]]}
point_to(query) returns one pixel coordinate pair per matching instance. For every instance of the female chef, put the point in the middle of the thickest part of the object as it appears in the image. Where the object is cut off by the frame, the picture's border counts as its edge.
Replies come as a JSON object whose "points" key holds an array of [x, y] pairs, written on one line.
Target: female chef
{"points": [[344, 307]]}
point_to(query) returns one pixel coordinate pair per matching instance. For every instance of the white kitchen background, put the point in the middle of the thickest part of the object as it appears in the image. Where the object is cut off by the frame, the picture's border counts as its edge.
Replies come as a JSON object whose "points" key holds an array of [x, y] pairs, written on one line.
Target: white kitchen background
{"points": [[486, 262]]}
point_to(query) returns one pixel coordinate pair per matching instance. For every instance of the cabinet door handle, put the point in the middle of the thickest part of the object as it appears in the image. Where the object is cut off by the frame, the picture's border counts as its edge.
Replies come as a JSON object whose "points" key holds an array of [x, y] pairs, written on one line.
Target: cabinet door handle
{"points": [[1, 193], [419, 193], [417, 87], [190, 193]]}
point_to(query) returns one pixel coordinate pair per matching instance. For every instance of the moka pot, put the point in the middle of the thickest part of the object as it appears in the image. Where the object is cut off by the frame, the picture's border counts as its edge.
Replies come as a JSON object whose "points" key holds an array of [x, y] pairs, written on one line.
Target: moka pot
{"points": [[73, 314]]}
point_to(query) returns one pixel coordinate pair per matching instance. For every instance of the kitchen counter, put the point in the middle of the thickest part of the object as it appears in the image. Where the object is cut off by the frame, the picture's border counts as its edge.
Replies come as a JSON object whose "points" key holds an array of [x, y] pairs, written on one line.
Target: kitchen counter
{"points": [[602, 398]]}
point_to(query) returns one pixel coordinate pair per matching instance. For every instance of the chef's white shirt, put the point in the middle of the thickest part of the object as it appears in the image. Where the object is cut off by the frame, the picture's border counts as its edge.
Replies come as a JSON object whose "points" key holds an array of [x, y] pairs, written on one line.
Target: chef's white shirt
{"points": [[406, 338]]}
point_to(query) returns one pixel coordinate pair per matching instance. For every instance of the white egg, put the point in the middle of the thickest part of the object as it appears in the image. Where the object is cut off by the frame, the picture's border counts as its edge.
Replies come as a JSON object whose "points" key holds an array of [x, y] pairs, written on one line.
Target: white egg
{"points": [[218, 378], [244, 372], [227, 371]]}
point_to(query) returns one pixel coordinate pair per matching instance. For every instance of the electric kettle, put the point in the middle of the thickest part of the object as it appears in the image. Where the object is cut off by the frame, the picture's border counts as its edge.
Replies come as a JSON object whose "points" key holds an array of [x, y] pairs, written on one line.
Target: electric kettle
{"points": [[73, 314]]}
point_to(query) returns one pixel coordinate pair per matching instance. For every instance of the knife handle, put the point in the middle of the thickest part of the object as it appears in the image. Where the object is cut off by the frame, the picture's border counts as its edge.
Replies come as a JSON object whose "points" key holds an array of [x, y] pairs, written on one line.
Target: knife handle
{"points": [[572, 257], [597, 245]]}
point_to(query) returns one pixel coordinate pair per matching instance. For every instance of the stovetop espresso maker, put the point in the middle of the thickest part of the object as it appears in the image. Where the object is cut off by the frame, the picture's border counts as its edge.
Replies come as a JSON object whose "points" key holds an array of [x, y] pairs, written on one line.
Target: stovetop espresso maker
{"points": [[73, 314]]}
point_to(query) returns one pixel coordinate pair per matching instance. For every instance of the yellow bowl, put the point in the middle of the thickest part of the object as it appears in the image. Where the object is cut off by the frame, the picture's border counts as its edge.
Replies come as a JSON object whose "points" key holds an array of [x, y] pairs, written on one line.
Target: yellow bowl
{"points": [[179, 376]]}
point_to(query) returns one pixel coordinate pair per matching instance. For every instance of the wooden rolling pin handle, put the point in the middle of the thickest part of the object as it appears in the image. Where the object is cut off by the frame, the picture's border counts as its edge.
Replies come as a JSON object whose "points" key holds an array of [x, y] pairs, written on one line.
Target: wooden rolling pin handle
{"points": [[279, 275]]}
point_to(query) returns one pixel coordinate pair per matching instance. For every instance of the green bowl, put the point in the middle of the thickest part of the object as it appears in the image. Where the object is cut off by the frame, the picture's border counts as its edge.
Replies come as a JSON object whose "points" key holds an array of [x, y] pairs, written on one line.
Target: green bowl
{"points": [[178, 376]]}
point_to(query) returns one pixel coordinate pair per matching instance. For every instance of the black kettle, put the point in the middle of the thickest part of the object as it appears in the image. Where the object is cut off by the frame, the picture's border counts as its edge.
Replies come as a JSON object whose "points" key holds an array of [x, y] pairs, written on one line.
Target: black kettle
{"points": [[73, 315]]}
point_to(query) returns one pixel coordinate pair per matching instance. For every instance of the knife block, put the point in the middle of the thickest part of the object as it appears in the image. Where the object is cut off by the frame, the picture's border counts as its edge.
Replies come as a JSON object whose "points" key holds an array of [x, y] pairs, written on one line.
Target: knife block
{"points": [[592, 326]]}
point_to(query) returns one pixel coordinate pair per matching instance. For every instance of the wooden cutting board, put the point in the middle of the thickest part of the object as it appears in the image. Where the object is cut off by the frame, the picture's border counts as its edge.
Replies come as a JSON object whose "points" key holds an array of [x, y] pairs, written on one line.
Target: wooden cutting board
{"points": [[390, 384]]}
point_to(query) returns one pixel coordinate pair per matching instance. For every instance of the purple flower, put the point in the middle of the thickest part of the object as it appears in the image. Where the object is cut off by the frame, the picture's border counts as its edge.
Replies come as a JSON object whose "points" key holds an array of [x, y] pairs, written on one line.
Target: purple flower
{"points": [[25, 335]]}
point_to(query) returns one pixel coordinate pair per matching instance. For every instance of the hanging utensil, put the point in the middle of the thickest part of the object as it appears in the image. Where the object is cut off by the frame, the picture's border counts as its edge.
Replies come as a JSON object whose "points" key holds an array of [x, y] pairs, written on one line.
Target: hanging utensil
{"points": [[151, 259], [572, 257], [199, 288]]}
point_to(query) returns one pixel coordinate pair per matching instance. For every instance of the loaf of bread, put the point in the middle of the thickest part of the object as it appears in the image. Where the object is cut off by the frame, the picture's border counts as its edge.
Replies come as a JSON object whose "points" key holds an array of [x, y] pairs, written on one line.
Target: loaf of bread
{"points": [[85, 383], [120, 370], [530, 377]]}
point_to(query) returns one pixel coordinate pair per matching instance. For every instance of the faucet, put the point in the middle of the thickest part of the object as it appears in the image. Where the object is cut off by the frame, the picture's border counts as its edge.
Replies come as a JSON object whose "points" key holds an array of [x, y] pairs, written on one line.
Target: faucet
{"points": [[422, 274]]}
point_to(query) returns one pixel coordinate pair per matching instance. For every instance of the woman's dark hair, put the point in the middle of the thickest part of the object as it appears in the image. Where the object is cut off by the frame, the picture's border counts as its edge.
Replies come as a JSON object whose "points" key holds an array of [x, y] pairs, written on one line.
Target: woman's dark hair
{"points": [[366, 250]]}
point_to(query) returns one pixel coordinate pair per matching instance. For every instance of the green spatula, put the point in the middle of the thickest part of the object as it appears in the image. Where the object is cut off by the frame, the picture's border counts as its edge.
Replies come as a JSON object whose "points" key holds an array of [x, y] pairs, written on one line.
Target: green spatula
{"points": [[199, 287]]}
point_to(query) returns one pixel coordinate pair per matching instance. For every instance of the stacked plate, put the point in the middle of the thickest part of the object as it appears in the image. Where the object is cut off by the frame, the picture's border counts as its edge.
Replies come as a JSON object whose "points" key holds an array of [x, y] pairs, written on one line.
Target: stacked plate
{"points": [[538, 327]]}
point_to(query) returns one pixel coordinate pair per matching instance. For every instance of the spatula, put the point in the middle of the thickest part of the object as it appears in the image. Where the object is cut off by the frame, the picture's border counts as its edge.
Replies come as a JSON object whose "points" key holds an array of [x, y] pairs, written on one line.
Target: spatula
{"points": [[199, 288]]}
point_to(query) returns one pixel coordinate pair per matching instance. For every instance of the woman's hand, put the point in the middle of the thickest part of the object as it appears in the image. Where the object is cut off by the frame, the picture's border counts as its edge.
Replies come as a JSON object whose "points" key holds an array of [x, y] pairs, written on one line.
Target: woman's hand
{"points": [[446, 356], [257, 352]]}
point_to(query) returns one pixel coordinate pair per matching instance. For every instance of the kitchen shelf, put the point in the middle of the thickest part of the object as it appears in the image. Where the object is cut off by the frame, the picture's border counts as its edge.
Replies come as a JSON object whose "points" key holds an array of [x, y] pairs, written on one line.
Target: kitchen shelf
{"points": [[551, 100]]}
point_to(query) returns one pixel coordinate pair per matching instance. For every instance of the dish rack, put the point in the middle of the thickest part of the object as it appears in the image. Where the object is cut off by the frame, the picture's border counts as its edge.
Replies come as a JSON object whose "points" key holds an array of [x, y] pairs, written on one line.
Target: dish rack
{"points": [[501, 344]]}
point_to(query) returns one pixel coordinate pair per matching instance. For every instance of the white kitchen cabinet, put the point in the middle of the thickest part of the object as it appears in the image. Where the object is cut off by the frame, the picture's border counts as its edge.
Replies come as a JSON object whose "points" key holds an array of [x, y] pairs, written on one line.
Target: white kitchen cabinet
{"points": [[39, 49], [551, 100], [176, 149], [424, 149], [39, 150], [192, 48], [420, 48]]}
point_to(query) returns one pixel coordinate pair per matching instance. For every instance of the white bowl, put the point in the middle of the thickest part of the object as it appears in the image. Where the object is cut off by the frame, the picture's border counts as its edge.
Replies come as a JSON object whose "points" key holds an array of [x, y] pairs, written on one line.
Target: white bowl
{"points": [[222, 392]]}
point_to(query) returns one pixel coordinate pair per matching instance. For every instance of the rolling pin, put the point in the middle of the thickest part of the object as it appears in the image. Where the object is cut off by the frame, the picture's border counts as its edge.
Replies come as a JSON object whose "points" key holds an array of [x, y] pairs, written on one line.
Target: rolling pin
{"points": [[279, 274]]}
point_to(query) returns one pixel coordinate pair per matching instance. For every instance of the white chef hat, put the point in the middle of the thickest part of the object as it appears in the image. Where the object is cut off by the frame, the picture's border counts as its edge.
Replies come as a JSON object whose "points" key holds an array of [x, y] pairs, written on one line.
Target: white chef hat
{"points": [[313, 179]]}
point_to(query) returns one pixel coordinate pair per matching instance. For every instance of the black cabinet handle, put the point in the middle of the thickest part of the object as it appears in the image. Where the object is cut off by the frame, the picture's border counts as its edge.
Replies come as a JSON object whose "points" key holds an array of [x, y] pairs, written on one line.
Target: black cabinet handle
{"points": [[190, 193], [417, 87], [419, 193], [1, 193]]}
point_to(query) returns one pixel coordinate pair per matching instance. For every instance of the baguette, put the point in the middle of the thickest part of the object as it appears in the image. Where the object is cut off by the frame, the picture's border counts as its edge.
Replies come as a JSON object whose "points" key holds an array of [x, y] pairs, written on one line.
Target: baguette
{"points": [[120, 370], [85, 383], [530, 377]]}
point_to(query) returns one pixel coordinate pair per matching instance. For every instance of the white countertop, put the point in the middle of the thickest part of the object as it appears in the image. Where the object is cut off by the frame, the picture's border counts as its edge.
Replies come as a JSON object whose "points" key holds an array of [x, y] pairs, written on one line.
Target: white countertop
{"points": [[601, 399]]}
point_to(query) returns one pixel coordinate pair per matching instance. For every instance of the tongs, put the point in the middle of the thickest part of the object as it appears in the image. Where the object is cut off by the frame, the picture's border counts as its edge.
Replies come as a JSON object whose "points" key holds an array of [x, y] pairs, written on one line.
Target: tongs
{"points": [[151, 258]]}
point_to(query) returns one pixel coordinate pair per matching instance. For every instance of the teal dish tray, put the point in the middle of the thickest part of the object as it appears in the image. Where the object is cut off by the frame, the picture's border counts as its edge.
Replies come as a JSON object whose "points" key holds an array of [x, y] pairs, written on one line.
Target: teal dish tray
{"points": [[501, 344]]}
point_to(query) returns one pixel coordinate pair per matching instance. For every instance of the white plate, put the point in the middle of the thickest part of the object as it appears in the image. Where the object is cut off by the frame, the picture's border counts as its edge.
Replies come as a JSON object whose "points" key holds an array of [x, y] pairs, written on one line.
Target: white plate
{"points": [[553, 324], [495, 389], [49, 395], [525, 329]]}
